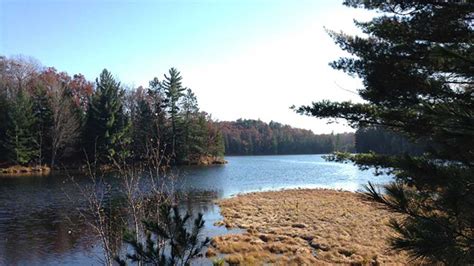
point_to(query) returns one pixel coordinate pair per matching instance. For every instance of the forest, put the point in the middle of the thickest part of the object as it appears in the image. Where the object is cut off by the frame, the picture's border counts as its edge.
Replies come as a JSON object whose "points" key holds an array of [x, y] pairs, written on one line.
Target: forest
{"points": [[48, 117], [385, 141], [255, 137]]}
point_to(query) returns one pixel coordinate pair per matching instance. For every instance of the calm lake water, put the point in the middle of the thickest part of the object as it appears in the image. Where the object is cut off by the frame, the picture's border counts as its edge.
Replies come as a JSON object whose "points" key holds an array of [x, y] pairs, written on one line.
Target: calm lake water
{"points": [[39, 224]]}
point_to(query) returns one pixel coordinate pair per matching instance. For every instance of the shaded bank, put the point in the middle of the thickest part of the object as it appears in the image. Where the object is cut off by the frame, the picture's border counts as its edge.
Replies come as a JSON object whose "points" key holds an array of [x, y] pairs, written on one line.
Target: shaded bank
{"points": [[305, 226]]}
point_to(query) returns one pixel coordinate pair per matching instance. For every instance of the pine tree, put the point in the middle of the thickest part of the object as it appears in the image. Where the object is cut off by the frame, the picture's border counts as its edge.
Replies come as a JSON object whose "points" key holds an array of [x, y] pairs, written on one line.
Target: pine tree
{"points": [[4, 110], [173, 92], [383, 141], [159, 122], [416, 62], [142, 127], [107, 126], [20, 144], [192, 137], [170, 241], [43, 122]]}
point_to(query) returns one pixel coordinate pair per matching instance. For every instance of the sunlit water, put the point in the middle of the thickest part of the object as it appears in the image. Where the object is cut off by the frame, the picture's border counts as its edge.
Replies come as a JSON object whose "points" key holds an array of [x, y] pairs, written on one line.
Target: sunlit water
{"points": [[39, 224]]}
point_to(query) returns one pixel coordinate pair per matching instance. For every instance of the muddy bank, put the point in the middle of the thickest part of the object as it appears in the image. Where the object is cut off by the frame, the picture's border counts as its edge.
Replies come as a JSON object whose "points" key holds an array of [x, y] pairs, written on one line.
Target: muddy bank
{"points": [[305, 226]]}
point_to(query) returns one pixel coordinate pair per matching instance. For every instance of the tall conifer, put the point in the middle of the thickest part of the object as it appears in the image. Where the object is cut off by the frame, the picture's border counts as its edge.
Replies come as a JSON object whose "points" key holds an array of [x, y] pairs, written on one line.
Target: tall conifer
{"points": [[107, 126], [416, 62], [21, 144], [173, 91]]}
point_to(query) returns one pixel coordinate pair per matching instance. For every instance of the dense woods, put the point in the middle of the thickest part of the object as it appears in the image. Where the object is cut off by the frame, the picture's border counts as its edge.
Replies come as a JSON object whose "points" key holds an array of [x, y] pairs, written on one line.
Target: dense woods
{"points": [[254, 137], [416, 63], [49, 117], [384, 141]]}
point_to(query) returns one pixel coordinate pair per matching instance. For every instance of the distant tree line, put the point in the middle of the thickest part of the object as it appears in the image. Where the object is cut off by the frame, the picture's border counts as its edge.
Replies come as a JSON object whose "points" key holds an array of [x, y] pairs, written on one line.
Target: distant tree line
{"points": [[254, 137], [49, 117], [384, 141]]}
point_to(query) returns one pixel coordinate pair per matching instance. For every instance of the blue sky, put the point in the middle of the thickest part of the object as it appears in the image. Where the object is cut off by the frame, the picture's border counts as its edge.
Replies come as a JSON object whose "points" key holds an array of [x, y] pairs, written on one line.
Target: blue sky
{"points": [[243, 58]]}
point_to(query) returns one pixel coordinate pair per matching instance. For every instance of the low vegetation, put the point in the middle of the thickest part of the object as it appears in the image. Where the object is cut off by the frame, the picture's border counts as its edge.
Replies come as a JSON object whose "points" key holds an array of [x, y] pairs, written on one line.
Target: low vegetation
{"points": [[306, 226]]}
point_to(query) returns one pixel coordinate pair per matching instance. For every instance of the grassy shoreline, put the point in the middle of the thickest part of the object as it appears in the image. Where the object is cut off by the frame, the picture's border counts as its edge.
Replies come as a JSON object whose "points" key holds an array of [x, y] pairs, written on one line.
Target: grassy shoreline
{"points": [[18, 170], [305, 226]]}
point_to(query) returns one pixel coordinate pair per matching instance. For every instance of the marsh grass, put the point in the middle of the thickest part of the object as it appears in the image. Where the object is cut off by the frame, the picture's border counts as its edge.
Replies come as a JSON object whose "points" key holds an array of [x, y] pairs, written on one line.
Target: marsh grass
{"points": [[306, 226], [25, 170]]}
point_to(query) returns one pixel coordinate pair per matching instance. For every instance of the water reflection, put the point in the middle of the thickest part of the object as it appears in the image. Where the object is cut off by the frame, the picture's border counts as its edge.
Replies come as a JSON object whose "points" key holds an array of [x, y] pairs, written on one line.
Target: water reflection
{"points": [[39, 225], [43, 235]]}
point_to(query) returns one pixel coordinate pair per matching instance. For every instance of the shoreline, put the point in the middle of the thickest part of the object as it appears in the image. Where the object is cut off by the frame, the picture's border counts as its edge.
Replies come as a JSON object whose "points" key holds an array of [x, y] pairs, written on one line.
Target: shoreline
{"points": [[19, 170], [305, 226]]}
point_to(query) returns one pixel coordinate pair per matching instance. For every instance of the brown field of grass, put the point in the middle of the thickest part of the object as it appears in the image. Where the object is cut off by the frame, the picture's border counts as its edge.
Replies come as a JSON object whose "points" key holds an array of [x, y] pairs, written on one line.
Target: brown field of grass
{"points": [[305, 226], [25, 170]]}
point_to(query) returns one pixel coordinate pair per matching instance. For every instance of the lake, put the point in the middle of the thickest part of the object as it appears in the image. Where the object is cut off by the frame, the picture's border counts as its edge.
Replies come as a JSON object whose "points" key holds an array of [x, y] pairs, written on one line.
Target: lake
{"points": [[39, 224]]}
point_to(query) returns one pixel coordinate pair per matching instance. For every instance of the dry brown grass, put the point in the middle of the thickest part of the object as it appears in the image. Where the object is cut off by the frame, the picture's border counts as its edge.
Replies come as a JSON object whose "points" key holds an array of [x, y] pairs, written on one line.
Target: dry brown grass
{"points": [[25, 170], [306, 226]]}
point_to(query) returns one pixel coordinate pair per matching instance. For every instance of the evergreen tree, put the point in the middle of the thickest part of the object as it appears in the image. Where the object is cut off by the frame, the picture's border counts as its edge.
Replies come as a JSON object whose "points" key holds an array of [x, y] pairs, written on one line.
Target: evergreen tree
{"points": [[107, 126], [192, 140], [4, 110], [159, 122], [142, 127], [416, 62], [173, 92], [170, 241], [162, 121], [20, 144], [383, 141], [43, 122]]}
